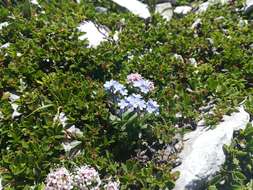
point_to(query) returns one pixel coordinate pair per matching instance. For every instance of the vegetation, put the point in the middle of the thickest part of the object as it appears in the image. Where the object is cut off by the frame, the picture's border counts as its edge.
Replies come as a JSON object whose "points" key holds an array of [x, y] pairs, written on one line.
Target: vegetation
{"points": [[58, 77], [238, 169]]}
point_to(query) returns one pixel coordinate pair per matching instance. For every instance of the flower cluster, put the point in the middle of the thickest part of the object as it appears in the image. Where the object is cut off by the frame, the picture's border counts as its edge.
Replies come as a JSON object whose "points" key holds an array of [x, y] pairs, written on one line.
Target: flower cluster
{"points": [[112, 185], [133, 102], [138, 81], [83, 178], [115, 87], [59, 179], [86, 177]]}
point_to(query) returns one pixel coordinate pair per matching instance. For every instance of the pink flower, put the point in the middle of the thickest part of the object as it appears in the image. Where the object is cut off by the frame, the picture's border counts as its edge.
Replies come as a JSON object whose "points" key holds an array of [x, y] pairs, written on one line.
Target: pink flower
{"points": [[133, 77]]}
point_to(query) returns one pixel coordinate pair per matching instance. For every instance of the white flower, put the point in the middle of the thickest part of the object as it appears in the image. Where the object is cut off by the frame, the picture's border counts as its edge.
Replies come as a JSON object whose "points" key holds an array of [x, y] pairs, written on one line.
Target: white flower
{"points": [[59, 179], [112, 185], [62, 118], [86, 178]]}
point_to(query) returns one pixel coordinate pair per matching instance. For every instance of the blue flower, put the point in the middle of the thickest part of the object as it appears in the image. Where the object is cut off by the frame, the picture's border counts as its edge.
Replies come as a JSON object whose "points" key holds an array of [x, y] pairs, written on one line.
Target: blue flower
{"points": [[123, 104], [115, 87], [152, 107], [144, 85], [133, 102]]}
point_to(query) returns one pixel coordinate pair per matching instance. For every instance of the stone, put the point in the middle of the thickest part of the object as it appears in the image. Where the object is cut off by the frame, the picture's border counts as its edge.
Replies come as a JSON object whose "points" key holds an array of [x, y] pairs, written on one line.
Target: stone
{"points": [[203, 155], [3, 24], [4, 46], [13, 98], [249, 7], [203, 7], [136, 7], [68, 146], [197, 23], [173, 2], [182, 10], [164, 1], [165, 10], [178, 57], [242, 23], [101, 9], [74, 131], [193, 62], [223, 2], [95, 34], [35, 2]]}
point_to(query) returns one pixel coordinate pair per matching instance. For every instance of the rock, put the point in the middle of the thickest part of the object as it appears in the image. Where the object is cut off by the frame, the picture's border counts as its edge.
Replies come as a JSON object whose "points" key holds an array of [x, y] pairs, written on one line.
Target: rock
{"points": [[197, 23], [35, 2], [223, 2], [249, 7], [203, 7], [165, 1], [134, 6], [165, 9], [183, 10], [101, 9], [242, 23], [74, 131], [1, 187], [193, 62], [94, 34], [178, 57], [4, 46], [203, 155], [68, 146], [13, 98], [1, 115], [3, 24]]}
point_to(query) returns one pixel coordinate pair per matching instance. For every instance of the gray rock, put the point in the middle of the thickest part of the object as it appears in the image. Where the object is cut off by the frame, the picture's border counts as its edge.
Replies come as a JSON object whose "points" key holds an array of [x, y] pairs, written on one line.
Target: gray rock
{"points": [[197, 23], [193, 62], [178, 57], [182, 10], [249, 7], [3, 24], [223, 2], [203, 7], [95, 34], [4, 46], [136, 7], [101, 9], [165, 9], [203, 155], [173, 2]]}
